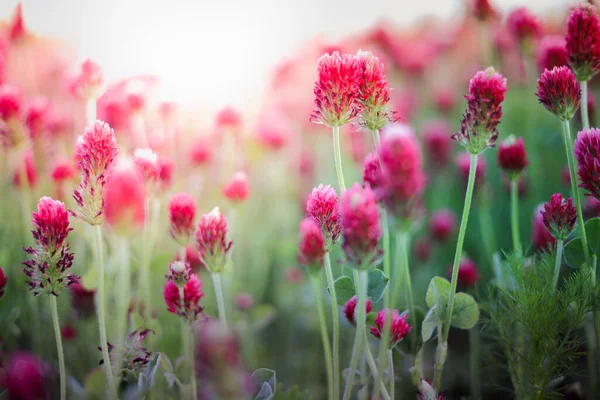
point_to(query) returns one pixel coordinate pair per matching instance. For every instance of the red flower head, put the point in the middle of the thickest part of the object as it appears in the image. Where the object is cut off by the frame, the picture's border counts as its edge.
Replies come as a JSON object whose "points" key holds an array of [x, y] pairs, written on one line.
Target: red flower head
{"points": [[399, 328], [164, 167], [350, 307], [444, 99], [583, 41], [373, 94], [182, 210], [336, 90], [273, 130], [125, 204], [323, 206], [587, 152], [228, 118], [24, 378], [244, 301], [559, 216], [36, 112], [524, 24], [3, 281], [184, 302], [63, 170], [483, 10], [82, 300], [47, 270], [311, 248], [179, 273], [540, 237], [359, 217], [437, 140], [10, 102], [559, 92], [372, 171], [238, 188], [90, 81], [552, 52], [201, 152], [95, 153], [512, 157], [30, 171], [468, 275], [146, 162], [16, 27], [211, 239], [463, 162], [68, 332], [479, 126], [442, 224]]}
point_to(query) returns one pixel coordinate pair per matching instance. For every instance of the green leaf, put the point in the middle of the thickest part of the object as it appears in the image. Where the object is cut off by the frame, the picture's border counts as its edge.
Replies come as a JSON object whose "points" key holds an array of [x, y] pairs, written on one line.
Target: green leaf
{"points": [[377, 283], [574, 256], [344, 289], [465, 313], [371, 318], [265, 380], [90, 279], [429, 324], [592, 230], [437, 294], [95, 384]]}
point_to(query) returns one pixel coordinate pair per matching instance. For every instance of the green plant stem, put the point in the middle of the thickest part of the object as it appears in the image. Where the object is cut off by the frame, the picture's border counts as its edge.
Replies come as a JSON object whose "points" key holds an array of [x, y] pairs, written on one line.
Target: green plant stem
{"points": [[101, 309], [439, 367], [474, 362], [122, 295], [403, 239], [376, 138], [390, 357], [336, 326], [360, 329], [514, 214], [557, 263], [337, 155], [324, 334], [190, 332], [59, 348], [145, 267], [585, 117], [216, 276], [376, 375]]}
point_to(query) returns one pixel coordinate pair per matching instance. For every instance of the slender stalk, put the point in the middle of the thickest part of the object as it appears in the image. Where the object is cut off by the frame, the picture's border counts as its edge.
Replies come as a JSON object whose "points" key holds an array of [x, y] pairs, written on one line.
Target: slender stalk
{"points": [[193, 362], [376, 138], [360, 330], [402, 239], [585, 117], [378, 378], [364, 380], [557, 263], [324, 335], [439, 367], [145, 267], [59, 348], [216, 276], [123, 294], [514, 214], [337, 155], [390, 357], [474, 362], [336, 327]]}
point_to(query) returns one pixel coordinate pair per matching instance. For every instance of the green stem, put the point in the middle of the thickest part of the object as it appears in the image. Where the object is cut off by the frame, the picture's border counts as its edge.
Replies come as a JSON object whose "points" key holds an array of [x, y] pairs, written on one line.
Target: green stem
{"points": [[360, 317], [514, 214], [337, 155], [378, 378], [557, 263], [403, 238], [324, 334], [475, 350], [216, 276], [59, 348], [101, 308], [439, 367], [585, 118], [193, 362], [390, 356], [145, 267], [336, 327], [123, 295], [376, 138]]}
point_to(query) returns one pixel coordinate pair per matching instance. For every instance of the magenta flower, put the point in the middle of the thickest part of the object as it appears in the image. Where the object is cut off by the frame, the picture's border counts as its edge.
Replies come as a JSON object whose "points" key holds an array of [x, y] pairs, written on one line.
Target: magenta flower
{"points": [[88, 84], [311, 248], [483, 10], [10, 102], [244, 301], [559, 92], [182, 211], [146, 163], [31, 172], [399, 328], [47, 270], [62, 170], [587, 152], [36, 114], [372, 171], [82, 300], [359, 217], [336, 90], [273, 130], [228, 118], [323, 206], [583, 41], [442, 224], [179, 273], [3, 281], [238, 187], [468, 275], [540, 237], [201, 152], [373, 93], [559, 216], [512, 157], [350, 307], [552, 52], [125, 199], [524, 24], [184, 301], [211, 240], [437, 142], [24, 377]]}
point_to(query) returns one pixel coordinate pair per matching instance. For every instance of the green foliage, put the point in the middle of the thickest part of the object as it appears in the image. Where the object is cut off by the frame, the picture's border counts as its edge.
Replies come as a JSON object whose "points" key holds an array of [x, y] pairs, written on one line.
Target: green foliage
{"points": [[344, 289], [574, 256], [429, 324], [465, 312], [377, 283]]}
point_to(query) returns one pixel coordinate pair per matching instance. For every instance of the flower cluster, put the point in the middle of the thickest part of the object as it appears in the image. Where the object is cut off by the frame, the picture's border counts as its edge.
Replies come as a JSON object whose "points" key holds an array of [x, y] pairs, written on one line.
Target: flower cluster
{"points": [[552, 52], [311, 247], [211, 240], [373, 94], [541, 238], [587, 152], [559, 92], [523, 24], [82, 300], [583, 41], [132, 353], [125, 199], [350, 308], [323, 206], [512, 157], [24, 377], [372, 171], [399, 328], [183, 296], [559, 216], [47, 270], [238, 188], [182, 210]]}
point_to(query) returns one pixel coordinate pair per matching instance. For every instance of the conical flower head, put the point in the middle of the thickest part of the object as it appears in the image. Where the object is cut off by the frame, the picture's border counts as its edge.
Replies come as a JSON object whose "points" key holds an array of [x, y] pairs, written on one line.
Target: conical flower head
{"points": [[468, 275], [583, 41], [211, 240], [541, 238], [311, 248], [336, 90], [442, 224], [373, 94], [182, 211], [552, 52], [559, 92], [559, 216], [125, 202], [323, 206], [372, 176], [587, 152], [184, 300], [179, 273], [523, 24], [350, 308], [512, 157], [399, 328], [88, 84]]}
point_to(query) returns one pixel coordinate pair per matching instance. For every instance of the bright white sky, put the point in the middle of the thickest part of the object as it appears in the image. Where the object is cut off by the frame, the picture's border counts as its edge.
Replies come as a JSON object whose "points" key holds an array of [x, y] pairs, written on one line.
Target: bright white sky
{"points": [[215, 52]]}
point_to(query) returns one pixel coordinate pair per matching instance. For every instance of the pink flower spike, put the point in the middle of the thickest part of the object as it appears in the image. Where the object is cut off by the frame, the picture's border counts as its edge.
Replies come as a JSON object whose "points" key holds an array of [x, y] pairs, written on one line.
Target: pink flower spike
{"points": [[228, 118], [182, 210], [311, 248], [372, 175], [189, 308], [437, 142], [587, 152], [89, 83], [10, 102], [3, 281], [552, 52], [238, 188], [244, 301], [30, 171], [559, 92], [373, 94], [323, 206], [273, 130], [583, 41], [16, 28], [201, 152], [125, 203], [442, 224], [350, 307], [559, 216], [524, 24], [63, 170], [399, 328], [36, 113], [211, 240], [336, 90], [540, 237], [512, 156]]}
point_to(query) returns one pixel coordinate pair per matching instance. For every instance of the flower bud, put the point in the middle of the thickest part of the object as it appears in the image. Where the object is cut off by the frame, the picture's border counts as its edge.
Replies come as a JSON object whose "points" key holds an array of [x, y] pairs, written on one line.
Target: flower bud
{"points": [[559, 216], [350, 308], [399, 328], [211, 240], [559, 92], [182, 210], [512, 157]]}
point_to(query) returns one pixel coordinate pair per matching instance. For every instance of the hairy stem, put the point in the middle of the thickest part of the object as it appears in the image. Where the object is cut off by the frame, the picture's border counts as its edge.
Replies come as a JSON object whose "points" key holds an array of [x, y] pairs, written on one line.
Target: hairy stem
{"points": [[59, 348], [324, 334], [336, 327], [216, 276], [360, 316], [585, 117], [514, 214], [378, 377], [557, 263], [337, 155]]}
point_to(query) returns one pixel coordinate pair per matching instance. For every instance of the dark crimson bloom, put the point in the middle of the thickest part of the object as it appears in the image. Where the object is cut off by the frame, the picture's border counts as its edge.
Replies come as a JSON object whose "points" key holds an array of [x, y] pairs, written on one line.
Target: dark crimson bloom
{"points": [[540, 237], [552, 52], [399, 328], [583, 41], [95, 153], [3, 281], [24, 378], [559, 216], [350, 307], [372, 171], [125, 199], [468, 275], [437, 141], [68, 332], [184, 301], [311, 248], [587, 152], [336, 90], [88, 84], [463, 162], [512, 157], [179, 273], [211, 240], [182, 211], [524, 24], [559, 92], [323, 206], [47, 270], [359, 217], [442, 224], [373, 94], [238, 187], [479, 126], [82, 300]]}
